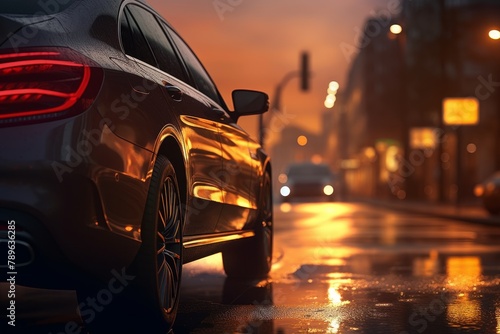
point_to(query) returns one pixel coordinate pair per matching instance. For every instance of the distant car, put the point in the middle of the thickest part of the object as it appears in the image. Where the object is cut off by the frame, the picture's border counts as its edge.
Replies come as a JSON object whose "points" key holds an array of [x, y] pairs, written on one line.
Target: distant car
{"points": [[308, 181], [120, 161], [489, 192]]}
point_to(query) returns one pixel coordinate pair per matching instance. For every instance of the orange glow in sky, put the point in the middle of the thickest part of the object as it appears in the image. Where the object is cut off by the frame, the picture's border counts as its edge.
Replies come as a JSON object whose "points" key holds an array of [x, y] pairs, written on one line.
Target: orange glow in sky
{"points": [[254, 43]]}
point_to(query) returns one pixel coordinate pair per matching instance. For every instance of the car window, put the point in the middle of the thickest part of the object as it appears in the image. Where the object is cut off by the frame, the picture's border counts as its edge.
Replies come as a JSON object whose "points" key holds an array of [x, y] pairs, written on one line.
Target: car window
{"points": [[133, 40], [308, 170], [163, 51], [200, 76], [126, 35]]}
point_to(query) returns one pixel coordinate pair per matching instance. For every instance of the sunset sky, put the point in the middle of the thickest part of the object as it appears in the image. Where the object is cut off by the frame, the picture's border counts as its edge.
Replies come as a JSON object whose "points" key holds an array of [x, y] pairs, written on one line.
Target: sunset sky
{"points": [[254, 43]]}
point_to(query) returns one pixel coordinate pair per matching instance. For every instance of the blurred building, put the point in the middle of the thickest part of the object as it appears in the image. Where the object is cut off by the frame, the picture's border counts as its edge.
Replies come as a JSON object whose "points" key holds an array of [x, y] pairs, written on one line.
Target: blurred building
{"points": [[370, 112], [391, 137]]}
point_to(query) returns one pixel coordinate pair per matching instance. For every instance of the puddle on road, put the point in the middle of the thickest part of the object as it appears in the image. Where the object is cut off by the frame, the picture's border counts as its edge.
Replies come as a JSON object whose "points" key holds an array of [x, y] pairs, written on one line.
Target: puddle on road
{"points": [[338, 271], [407, 293], [414, 294]]}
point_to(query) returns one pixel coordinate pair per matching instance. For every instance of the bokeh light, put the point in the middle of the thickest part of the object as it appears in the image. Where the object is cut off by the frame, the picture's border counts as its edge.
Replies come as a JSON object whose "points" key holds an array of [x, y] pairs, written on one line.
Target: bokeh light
{"points": [[396, 29], [302, 140], [471, 148], [494, 34]]}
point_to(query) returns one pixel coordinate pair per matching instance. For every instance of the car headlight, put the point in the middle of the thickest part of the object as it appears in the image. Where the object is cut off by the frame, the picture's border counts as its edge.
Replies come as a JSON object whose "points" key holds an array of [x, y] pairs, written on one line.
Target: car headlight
{"points": [[285, 191], [328, 190]]}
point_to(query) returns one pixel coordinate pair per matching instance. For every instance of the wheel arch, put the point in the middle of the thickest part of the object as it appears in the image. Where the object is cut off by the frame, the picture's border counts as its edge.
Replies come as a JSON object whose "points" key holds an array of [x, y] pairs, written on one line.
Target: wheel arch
{"points": [[267, 169], [171, 149]]}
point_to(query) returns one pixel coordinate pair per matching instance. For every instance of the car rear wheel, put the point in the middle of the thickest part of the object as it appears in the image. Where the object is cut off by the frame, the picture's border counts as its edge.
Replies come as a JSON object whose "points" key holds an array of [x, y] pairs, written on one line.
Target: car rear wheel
{"points": [[160, 267], [252, 258]]}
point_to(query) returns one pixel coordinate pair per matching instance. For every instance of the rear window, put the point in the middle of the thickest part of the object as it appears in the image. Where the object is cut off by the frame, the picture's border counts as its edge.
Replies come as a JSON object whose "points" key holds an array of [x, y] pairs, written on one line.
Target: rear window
{"points": [[34, 7]]}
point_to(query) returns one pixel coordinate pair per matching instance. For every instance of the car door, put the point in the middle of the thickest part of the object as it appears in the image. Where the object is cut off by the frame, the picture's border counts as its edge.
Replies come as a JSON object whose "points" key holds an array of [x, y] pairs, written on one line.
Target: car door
{"points": [[197, 122], [238, 173], [241, 175]]}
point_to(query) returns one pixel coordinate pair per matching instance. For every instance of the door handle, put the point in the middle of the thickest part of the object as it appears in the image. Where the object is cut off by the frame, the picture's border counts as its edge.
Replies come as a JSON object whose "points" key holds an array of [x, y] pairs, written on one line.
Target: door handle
{"points": [[173, 91]]}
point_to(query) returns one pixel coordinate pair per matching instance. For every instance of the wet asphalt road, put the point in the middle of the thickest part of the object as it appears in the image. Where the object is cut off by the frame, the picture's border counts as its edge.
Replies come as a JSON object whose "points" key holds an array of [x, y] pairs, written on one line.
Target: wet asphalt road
{"points": [[351, 268], [338, 268]]}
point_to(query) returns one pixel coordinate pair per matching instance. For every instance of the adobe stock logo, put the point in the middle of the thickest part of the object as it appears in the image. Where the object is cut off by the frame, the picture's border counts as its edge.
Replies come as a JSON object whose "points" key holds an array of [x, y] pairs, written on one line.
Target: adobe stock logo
{"points": [[95, 304], [420, 319], [486, 87], [223, 6], [74, 155], [104, 297], [28, 32], [381, 20]]}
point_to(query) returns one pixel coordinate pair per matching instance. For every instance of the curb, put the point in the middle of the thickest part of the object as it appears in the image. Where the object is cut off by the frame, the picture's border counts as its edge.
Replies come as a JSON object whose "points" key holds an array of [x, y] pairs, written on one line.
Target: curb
{"points": [[492, 220]]}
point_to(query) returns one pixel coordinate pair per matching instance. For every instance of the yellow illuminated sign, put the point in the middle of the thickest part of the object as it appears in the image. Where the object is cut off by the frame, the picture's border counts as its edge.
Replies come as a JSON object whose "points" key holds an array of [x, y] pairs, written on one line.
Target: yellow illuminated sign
{"points": [[423, 138], [461, 111]]}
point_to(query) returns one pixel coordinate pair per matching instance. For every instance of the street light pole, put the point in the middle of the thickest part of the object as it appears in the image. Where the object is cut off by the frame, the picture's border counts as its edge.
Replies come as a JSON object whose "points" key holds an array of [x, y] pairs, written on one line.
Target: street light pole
{"points": [[494, 35], [303, 73], [443, 92], [275, 104]]}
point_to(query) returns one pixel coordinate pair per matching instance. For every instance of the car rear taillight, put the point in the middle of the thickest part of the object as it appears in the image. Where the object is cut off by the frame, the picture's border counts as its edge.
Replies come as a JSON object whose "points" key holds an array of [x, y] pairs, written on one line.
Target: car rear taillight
{"points": [[41, 85]]}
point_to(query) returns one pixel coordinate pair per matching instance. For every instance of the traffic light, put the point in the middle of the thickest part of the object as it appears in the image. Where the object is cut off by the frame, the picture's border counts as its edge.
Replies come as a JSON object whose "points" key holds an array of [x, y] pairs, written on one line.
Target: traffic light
{"points": [[304, 71]]}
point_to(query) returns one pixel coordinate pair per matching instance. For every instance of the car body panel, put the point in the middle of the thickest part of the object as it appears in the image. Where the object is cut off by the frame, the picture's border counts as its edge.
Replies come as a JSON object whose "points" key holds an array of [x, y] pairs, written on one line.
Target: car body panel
{"points": [[57, 186]]}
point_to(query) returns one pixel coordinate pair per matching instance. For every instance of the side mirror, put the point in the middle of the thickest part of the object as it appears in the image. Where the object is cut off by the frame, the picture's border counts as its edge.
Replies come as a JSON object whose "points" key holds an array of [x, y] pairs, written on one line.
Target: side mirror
{"points": [[249, 102]]}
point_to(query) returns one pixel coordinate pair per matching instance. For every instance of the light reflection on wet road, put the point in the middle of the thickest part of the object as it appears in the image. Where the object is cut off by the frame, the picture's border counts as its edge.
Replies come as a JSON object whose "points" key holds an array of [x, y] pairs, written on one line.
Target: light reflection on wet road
{"points": [[338, 268], [350, 268]]}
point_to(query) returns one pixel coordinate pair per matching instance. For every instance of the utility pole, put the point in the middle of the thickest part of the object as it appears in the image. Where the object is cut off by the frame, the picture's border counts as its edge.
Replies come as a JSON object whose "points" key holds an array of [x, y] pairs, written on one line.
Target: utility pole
{"points": [[303, 73], [443, 51]]}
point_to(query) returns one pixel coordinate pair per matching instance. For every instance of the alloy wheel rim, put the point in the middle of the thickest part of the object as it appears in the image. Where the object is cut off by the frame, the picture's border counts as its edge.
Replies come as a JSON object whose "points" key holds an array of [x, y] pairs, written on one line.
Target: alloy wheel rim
{"points": [[169, 245], [268, 217]]}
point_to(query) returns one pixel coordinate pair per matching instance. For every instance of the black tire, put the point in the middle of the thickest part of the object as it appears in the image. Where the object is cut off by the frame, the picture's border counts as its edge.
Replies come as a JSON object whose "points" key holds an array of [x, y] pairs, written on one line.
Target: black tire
{"points": [[252, 258], [160, 264]]}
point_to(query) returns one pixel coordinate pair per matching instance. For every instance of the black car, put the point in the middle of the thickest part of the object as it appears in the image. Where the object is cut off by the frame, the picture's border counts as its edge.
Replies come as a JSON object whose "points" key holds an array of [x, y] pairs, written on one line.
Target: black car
{"points": [[120, 161], [306, 181]]}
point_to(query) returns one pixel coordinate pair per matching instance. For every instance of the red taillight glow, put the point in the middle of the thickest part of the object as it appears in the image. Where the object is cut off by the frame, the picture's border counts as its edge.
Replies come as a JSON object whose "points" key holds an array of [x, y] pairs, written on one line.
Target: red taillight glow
{"points": [[45, 85], [29, 54]]}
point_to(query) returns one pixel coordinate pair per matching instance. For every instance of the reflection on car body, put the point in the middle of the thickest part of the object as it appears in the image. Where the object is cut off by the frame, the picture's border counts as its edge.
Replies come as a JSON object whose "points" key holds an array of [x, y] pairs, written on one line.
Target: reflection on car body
{"points": [[119, 155]]}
